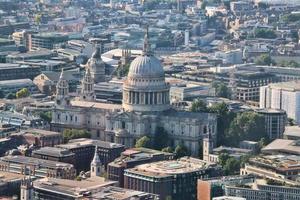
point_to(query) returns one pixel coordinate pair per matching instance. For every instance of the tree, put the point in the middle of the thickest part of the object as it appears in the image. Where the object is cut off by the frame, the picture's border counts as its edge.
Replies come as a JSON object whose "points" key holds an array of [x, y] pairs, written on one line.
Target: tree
{"points": [[70, 134], [167, 150], [232, 166], [160, 139], [223, 157], [198, 106], [22, 93], [221, 89], [46, 116], [224, 118], [246, 126], [11, 96], [181, 151], [2, 95], [264, 33], [264, 59], [143, 142], [291, 121]]}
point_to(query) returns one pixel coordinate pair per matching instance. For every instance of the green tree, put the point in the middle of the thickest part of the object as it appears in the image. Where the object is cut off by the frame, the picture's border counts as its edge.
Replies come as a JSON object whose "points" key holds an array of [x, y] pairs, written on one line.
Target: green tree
{"points": [[264, 33], [143, 142], [181, 151], [46, 116], [198, 105], [224, 118], [22, 93], [221, 89], [232, 166], [70, 134], [11, 96], [167, 150], [2, 95], [223, 157], [246, 126], [265, 59], [160, 139], [291, 121]]}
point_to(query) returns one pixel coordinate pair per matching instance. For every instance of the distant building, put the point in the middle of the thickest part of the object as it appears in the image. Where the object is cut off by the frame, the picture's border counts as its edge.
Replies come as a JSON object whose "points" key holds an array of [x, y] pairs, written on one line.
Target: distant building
{"points": [[285, 96], [17, 71], [262, 191], [84, 152], [36, 167], [38, 54], [212, 188], [230, 57], [131, 158], [13, 86], [282, 146], [39, 138], [47, 40], [174, 179], [275, 121], [9, 183], [95, 188], [55, 154], [292, 133], [278, 167]]}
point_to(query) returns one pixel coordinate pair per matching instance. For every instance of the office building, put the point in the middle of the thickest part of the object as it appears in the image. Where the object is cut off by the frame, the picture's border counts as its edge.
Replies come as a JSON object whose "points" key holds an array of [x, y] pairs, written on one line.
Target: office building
{"points": [[175, 179], [37, 167], [284, 96], [131, 158]]}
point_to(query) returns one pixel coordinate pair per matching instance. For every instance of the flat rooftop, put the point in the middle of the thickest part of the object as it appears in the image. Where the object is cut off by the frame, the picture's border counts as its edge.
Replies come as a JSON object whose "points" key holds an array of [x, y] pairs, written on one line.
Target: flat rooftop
{"points": [[40, 132], [40, 163], [284, 146], [72, 187], [170, 167], [116, 193], [54, 151], [81, 142], [8, 176], [293, 86], [292, 131]]}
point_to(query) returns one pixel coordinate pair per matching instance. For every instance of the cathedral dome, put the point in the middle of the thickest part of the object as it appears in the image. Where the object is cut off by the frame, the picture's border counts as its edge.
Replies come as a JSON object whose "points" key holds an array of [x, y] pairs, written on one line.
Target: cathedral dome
{"points": [[146, 66], [145, 89]]}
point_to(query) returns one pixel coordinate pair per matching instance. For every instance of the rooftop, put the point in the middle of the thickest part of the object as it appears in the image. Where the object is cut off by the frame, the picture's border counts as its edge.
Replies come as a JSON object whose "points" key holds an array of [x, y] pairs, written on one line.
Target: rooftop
{"points": [[283, 146], [116, 193], [97, 105], [293, 86], [8, 176], [39, 132], [40, 163], [292, 131], [170, 167], [81, 142], [53, 151], [72, 188]]}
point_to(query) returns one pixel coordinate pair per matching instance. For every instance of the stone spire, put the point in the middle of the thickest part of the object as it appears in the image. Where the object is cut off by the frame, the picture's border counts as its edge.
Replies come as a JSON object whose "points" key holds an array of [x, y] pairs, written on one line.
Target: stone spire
{"points": [[62, 90], [87, 87], [146, 46], [96, 165]]}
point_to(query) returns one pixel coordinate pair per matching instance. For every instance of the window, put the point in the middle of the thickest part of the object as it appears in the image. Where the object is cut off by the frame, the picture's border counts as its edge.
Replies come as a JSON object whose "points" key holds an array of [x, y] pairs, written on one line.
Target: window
{"points": [[98, 133], [123, 124]]}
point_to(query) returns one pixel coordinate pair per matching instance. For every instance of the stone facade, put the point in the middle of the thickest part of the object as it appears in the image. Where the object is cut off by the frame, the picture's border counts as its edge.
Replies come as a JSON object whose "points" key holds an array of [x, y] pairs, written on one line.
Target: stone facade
{"points": [[145, 108]]}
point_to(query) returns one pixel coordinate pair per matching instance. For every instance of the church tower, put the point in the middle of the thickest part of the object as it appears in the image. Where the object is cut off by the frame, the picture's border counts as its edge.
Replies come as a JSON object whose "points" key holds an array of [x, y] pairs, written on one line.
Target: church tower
{"points": [[87, 87], [208, 145], [96, 165], [97, 66], [26, 189], [62, 90]]}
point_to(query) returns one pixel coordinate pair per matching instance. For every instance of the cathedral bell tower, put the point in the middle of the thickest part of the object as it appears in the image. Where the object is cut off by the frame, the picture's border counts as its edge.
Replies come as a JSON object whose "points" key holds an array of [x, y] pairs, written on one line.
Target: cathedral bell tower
{"points": [[62, 91], [87, 87], [208, 145]]}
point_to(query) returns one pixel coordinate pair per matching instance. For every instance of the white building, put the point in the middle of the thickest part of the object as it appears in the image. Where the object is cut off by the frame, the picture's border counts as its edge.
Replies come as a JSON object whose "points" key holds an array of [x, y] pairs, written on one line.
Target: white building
{"points": [[284, 96]]}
